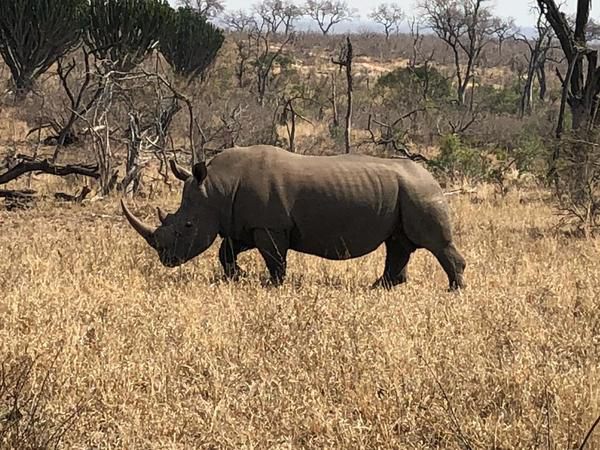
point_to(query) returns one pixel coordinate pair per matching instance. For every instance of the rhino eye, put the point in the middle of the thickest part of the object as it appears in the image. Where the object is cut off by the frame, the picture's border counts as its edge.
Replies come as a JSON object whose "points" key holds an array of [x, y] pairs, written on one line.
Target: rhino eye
{"points": [[188, 224]]}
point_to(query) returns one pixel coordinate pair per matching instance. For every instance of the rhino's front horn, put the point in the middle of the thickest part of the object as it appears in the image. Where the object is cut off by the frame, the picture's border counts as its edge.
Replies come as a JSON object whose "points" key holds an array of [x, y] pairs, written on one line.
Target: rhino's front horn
{"points": [[145, 231], [161, 215]]}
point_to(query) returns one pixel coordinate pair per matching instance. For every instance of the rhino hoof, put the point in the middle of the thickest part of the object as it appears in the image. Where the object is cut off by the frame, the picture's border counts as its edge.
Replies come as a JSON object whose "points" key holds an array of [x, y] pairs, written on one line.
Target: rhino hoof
{"points": [[457, 286], [388, 284]]}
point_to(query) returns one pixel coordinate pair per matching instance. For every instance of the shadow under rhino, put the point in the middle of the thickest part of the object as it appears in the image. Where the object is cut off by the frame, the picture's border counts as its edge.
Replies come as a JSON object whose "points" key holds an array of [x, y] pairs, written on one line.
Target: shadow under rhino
{"points": [[335, 207]]}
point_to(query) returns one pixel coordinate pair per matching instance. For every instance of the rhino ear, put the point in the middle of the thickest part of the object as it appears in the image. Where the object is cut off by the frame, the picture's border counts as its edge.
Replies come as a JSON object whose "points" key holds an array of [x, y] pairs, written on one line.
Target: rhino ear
{"points": [[199, 170]]}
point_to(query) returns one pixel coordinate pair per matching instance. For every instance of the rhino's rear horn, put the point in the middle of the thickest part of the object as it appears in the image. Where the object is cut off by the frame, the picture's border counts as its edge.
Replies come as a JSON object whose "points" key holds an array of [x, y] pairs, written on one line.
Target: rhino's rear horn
{"points": [[179, 172], [144, 230]]}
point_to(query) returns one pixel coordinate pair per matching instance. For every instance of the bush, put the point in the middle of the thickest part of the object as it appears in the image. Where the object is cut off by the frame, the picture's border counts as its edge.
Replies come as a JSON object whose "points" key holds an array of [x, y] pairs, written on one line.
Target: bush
{"points": [[457, 160], [576, 176], [504, 100], [406, 82], [510, 165]]}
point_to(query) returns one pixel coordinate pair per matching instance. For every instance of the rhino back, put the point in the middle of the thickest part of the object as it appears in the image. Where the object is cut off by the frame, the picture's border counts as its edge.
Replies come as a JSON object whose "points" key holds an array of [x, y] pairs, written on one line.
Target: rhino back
{"points": [[333, 206]]}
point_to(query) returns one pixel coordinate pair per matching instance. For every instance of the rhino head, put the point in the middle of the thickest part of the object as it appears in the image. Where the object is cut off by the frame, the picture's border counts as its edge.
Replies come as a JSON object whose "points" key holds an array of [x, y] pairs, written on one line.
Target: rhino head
{"points": [[189, 231]]}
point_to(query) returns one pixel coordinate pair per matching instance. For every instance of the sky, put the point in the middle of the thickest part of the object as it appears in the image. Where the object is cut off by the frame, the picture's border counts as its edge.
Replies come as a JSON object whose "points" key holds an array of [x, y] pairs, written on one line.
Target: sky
{"points": [[517, 9]]}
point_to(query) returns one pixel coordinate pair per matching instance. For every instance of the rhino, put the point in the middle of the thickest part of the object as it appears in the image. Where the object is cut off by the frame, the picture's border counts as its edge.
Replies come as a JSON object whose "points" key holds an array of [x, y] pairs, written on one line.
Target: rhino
{"points": [[335, 207]]}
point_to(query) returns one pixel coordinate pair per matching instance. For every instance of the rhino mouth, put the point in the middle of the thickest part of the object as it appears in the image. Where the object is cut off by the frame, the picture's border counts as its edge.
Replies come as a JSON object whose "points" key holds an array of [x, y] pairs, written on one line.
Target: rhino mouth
{"points": [[170, 261]]}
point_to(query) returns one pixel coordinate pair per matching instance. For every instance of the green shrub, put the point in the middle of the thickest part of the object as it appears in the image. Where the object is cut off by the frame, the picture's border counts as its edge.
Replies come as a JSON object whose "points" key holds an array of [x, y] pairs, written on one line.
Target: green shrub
{"points": [[458, 160], [408, 82], [503, 100]]}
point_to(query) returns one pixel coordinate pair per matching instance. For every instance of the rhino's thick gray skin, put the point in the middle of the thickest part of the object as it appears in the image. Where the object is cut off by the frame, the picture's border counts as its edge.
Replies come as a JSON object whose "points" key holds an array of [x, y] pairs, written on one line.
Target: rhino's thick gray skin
{"points": [[336, 207]]}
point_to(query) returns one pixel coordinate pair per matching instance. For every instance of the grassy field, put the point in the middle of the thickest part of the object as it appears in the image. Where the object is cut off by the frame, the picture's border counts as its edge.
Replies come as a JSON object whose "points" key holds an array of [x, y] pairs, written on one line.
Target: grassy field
{"points": [[146, 357]]}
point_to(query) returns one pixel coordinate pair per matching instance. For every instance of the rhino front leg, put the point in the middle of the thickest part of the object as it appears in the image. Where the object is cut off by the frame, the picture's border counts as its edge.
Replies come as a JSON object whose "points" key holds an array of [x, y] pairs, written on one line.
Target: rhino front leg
{"points": [[273, 247], [228, 253]]}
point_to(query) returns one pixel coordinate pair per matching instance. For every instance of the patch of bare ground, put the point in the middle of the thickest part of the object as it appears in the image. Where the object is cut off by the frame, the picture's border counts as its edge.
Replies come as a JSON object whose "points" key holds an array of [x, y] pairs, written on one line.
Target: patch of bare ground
{"points": [[363, 65], [156, 358]]}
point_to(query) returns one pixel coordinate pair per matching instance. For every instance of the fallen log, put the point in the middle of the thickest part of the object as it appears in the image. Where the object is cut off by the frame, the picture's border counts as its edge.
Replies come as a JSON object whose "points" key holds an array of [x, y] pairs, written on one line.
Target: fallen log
{"points": [[46, 166], [17, 199], [22, 198], [24, 194]]}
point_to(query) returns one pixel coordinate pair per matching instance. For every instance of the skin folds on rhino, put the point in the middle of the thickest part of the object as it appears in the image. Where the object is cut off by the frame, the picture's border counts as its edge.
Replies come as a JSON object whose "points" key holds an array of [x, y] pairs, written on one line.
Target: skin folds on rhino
{"points": [[335, 207]]}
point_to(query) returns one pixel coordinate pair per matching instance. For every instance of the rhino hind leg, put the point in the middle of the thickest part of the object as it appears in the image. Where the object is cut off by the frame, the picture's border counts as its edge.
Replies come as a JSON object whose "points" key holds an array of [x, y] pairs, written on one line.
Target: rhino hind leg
{"points": [[398, 251], [427, 225], [228, 253], [453, 264], [273, 247]]}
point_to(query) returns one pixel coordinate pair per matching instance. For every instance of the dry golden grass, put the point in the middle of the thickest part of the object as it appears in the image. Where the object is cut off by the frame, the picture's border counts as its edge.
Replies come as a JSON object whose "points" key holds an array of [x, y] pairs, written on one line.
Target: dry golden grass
{"points": [[11, 129], [159, 358]]}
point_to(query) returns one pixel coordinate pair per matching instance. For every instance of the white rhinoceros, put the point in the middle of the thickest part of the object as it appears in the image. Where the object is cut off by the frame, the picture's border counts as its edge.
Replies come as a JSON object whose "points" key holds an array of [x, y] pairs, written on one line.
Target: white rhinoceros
{"points": [[336, 207]]}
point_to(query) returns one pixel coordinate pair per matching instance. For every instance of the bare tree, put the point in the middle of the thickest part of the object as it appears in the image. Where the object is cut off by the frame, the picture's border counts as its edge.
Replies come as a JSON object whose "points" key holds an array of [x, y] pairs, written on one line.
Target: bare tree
{"points": [[345, 62], [278, 14], [388, 15], [265, 53], [538, 46], [393, 135], [240, 22], [291, 114], [466, 26], [268, 12], [581, 83], [81, 93], [504, 30], [417, 41], [208, 8], [328, 13], [290, 14]]}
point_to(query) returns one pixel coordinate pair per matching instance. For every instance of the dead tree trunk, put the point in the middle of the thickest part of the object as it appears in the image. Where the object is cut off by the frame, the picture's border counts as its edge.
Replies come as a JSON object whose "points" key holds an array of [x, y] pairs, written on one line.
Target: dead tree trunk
{"points": [[333, 101], [131, 182], [24, 164], [417, 42], [290, 117], [581, 83], [536, 64], [345, 61], [527, 94], [541, 76]]}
